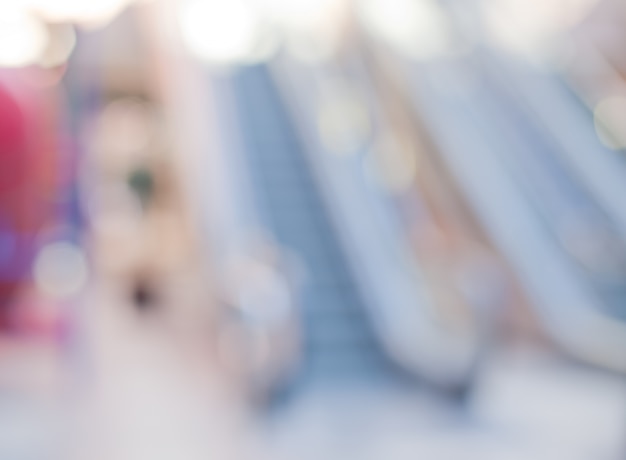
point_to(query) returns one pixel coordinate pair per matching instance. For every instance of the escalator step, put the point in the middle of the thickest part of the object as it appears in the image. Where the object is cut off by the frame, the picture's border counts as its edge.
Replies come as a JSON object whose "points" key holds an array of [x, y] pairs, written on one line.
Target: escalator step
{"points": [[339, 339]]}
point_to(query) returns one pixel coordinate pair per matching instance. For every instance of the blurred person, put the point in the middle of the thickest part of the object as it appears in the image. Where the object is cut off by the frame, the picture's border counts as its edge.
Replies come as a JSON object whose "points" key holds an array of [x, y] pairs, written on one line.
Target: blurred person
{"points": [[141, 238]]}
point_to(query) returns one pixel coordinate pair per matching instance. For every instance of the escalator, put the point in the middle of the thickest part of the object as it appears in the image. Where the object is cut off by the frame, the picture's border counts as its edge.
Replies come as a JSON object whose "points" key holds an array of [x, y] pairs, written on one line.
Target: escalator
{"points": [[553, 230], [339, 340], [587, 233]]}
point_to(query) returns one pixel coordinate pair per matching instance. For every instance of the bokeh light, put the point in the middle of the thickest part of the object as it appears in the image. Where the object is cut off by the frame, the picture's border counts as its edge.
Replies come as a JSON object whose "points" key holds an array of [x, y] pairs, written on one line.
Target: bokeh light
{"points": [[60, 269], [23, 38], [610, 121], [418, 29], [91, 14], [221, 32]]}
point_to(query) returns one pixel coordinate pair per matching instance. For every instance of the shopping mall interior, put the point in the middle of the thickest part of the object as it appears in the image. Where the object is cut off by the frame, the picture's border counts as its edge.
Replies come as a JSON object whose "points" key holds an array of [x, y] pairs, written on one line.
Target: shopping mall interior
{"points": [[312, 229]]}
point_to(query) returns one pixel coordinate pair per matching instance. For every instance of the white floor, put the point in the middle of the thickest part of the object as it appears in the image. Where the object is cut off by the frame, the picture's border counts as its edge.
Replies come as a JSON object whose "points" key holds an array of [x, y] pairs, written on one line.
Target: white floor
{"points": [[152, 391], [527, 407]]}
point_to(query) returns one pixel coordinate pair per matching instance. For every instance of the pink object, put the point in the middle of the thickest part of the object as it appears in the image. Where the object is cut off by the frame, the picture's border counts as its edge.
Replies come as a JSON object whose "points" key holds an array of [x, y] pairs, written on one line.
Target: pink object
{"points": [[28, 177]]}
